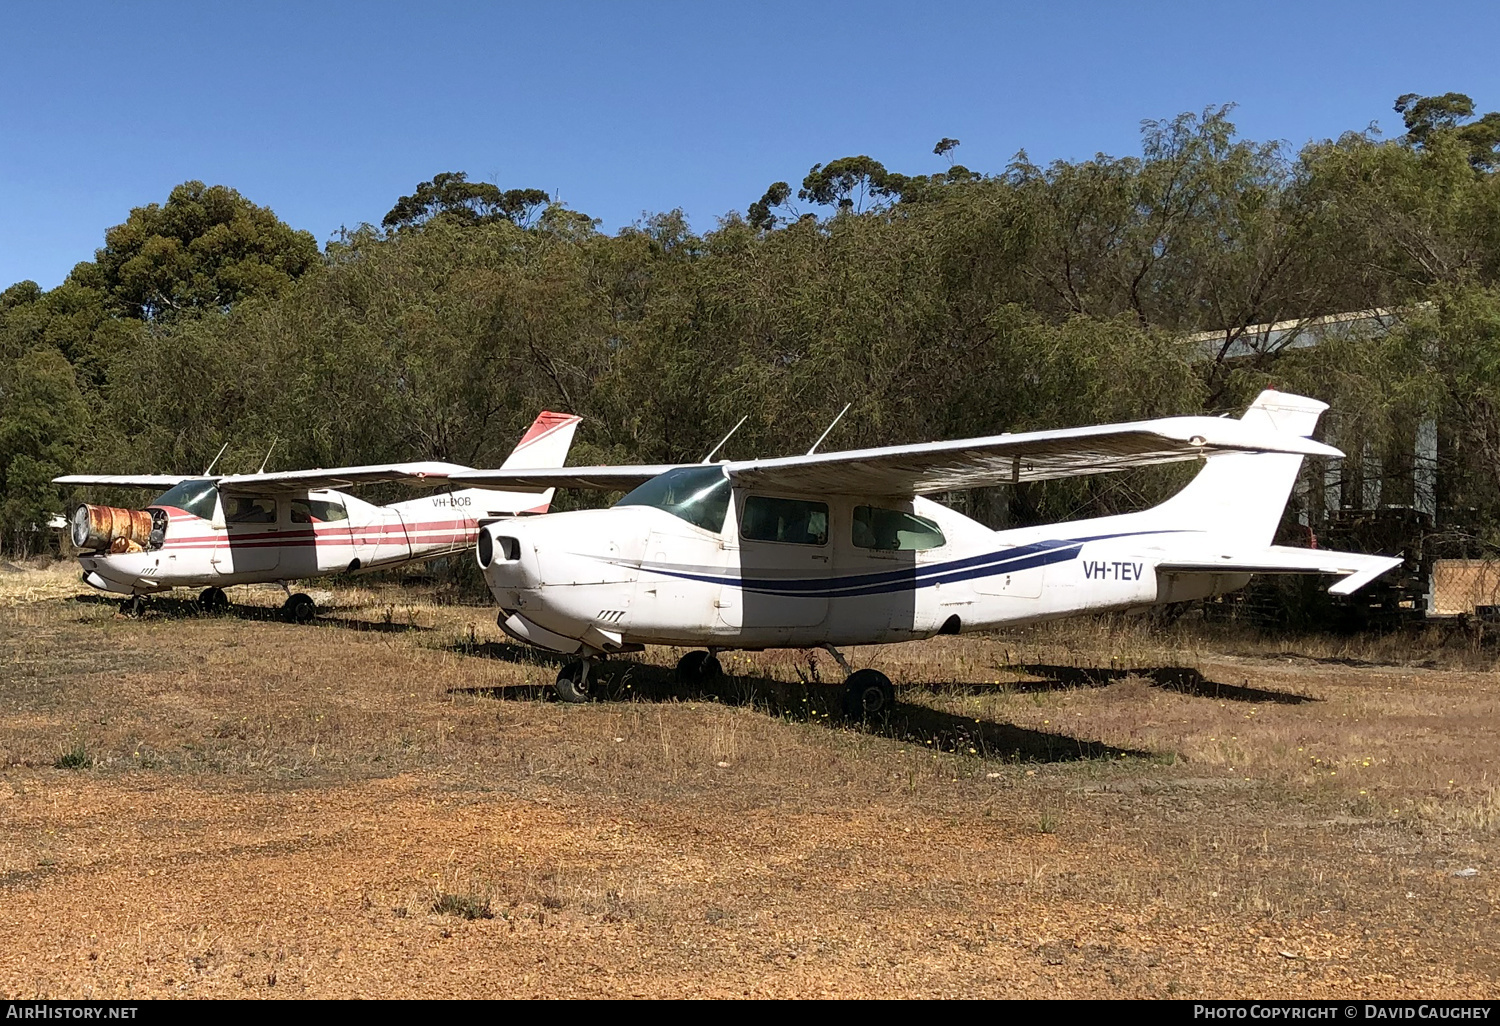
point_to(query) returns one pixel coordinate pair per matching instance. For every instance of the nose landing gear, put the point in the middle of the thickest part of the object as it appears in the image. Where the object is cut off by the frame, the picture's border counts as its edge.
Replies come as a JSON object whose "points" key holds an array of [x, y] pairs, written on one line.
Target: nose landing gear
{"points": [[573, 681]]}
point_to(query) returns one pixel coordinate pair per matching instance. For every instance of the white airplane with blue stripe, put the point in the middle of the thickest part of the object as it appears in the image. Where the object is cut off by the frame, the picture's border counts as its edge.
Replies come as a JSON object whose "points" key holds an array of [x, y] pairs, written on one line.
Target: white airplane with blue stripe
{"points": [[839, 549]]}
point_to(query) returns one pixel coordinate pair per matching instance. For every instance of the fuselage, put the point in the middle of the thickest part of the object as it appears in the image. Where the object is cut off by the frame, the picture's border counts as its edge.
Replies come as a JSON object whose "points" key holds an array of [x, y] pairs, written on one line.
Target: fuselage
{"points": [[840, 570], [285, 537]]}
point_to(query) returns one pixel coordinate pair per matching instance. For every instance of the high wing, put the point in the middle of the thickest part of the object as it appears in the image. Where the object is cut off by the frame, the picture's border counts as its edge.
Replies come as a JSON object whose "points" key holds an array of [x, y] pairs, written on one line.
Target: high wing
{"points": [[1357, 570], [160, 482], [429, 473], [545, 442], [931, 467]]}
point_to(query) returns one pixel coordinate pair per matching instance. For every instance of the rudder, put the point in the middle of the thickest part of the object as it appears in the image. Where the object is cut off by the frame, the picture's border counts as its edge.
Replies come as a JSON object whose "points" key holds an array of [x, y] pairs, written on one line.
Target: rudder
{"points": [[1245, 494]]}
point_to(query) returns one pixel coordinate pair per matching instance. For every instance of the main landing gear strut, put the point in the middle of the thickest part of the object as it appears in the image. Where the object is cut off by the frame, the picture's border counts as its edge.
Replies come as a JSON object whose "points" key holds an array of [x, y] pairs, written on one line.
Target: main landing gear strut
{"points": [[868, 694], [298, 608]]}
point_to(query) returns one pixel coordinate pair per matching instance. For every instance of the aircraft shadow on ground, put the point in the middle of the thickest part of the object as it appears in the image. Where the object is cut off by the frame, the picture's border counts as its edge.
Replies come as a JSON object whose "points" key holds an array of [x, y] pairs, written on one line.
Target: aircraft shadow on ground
{"points": [[507, 652], [1183, 679], [909, 723], [188, 609]]}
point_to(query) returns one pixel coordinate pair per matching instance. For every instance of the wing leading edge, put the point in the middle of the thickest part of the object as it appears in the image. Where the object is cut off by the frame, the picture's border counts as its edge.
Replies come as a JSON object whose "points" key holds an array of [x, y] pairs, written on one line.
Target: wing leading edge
{"points": [[158, 481], [546, 443]]}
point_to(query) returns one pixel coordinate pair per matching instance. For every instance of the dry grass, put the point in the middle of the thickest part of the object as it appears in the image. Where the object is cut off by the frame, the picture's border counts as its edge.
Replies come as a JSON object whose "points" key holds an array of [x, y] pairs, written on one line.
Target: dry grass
{"points": [[231, 805], [34, 580]]}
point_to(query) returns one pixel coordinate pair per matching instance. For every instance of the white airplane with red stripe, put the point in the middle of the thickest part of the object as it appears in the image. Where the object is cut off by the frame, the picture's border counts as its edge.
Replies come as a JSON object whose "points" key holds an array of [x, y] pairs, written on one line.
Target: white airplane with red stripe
{"points": [[213, 532]]}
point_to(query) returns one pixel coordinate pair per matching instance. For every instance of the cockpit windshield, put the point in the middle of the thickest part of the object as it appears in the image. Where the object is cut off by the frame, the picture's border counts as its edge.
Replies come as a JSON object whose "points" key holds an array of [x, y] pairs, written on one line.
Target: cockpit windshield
{"points": [[699, 495], [196, 497]]}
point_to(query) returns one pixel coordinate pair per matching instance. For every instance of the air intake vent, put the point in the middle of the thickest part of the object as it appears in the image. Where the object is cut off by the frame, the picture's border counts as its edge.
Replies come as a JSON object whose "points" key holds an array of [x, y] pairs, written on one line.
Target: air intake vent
{"points": [[489, 547]]}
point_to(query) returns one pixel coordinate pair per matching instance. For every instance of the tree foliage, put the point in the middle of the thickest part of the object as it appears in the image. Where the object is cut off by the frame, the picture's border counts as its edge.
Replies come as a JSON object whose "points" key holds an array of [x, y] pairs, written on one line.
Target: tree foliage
{"points": [[205, 249], [452, 198], [941, 303]]}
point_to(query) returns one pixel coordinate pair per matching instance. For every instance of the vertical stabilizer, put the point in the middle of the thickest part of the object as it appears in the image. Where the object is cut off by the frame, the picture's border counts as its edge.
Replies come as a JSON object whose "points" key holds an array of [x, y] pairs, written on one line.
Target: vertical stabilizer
{"points": [[1244, 494], [545, 444]]}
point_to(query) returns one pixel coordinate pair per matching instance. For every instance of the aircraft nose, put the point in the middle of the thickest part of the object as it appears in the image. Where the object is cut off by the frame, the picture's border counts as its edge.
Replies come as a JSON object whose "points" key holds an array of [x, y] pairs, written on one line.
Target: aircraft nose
{"points": [[497, 543], [498, 549], [507, 558]]}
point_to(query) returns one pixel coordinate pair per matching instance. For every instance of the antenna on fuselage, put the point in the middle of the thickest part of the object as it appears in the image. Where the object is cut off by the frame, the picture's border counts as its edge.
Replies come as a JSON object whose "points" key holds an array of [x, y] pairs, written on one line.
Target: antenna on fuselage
{"points": [[209, 469], [830, 428], [263, 462], [725, 439]]}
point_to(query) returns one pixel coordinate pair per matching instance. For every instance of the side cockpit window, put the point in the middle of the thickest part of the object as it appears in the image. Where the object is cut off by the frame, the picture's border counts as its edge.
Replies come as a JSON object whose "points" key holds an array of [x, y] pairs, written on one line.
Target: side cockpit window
{"points": [[317, 511], [240, 509], [796, 521], [892, 530]]}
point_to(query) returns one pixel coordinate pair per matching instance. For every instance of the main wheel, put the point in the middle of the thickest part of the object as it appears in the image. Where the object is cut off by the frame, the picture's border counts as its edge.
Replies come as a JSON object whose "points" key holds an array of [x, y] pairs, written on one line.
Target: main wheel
{"points": [[572, 682], [699, 668], [868, 695], [213, 600], [300, 608]]}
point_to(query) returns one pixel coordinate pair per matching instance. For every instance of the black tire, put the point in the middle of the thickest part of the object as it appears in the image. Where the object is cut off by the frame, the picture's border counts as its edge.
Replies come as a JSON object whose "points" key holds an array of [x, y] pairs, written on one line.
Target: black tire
{"points": [[868, 695], [300, 608], [699, 668], [213, 600], [134, 606], [571, 686]]}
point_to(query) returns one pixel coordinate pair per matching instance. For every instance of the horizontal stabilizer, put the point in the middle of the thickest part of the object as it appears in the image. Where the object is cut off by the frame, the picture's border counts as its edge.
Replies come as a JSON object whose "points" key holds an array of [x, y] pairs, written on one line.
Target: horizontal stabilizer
{"points": [[1356, 570]]}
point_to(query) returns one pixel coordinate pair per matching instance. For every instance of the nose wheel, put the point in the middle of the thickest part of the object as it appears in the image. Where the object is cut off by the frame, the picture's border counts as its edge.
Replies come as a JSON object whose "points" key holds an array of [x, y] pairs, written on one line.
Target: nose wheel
{"points": [[134, 606], [573, 681]]}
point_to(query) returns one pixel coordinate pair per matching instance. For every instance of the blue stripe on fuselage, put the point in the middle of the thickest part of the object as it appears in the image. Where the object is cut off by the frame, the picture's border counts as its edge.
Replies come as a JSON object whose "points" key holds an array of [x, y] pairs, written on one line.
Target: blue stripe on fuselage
{"points": [[1013, 560]]}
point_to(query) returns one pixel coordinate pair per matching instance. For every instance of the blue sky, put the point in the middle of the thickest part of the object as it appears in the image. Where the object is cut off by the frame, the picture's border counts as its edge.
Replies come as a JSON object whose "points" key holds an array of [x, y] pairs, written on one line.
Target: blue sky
{"points": [[327, 113]]}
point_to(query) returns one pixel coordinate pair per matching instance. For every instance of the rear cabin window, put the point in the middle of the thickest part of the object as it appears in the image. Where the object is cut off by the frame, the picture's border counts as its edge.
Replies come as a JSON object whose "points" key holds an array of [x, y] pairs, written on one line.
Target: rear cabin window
{"points": [[250, 511], [195, 497], [795, 521], [317, 511], [891, 530]]}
